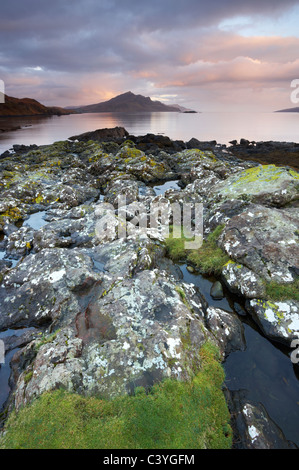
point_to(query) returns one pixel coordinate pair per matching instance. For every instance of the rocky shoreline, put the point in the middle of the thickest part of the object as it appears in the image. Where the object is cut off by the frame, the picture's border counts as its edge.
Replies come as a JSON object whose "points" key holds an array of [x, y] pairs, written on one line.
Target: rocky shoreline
{"points": [[108, 314]]}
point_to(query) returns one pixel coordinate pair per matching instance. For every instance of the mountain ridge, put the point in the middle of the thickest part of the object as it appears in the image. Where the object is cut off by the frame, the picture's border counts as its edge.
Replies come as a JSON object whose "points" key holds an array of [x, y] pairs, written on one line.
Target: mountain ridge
{"points": [[288, 110], [128, 102], [29, 107]]}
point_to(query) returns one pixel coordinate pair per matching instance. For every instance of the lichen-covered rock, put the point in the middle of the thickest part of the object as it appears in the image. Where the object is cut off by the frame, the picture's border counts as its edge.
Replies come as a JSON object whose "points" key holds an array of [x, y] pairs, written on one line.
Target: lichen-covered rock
{"points": [[253, 427], [227, 328], [139, 331], [263, 184], [265, 241], [242, 281], [56, 364], [278, 320], [37, 291], [114, 313]]}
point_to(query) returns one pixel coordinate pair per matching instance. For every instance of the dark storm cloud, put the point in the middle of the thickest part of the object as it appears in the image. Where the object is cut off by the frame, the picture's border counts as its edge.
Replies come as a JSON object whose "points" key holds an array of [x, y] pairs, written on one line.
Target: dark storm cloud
{"points": [[84, 51], [93, 35]]}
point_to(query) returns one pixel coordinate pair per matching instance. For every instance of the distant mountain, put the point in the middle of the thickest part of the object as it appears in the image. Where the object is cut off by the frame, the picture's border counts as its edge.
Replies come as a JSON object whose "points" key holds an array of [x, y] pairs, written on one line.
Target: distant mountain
{"points": [[182, 109], [128, 103], [288, 110], [29, 107]]}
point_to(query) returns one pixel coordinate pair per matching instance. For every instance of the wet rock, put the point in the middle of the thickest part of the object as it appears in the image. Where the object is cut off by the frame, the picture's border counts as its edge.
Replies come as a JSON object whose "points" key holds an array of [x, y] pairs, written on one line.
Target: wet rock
{"points": [[19, 341], [278, 320], [253, 427], [227, 328], [102, 135], [242, 281], [190, 269], [217, 291]]}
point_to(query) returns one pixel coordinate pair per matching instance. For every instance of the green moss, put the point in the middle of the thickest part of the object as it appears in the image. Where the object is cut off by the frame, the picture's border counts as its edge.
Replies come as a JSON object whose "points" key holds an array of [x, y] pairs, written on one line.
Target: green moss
{"points": [[278, 292], [128, 143], [196, 154], [182, 295], [130, 153], [46, 339], [209, 258], [172, 415], [28, 377]]}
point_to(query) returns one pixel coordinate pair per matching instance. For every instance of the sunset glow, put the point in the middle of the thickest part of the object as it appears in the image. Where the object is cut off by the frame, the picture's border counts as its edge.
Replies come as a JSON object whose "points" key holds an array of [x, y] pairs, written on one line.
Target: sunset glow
{"points": [[210, 57]]}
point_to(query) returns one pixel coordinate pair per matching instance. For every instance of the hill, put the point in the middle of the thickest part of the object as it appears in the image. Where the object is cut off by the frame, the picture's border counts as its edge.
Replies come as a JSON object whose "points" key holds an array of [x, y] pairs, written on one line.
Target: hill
{"points": [[288, 110], [28, 107], [128, 103]]}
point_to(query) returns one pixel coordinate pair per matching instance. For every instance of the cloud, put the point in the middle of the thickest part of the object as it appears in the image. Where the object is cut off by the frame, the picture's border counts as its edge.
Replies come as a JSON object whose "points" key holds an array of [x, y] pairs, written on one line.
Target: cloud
{"points": [[77, 52]]}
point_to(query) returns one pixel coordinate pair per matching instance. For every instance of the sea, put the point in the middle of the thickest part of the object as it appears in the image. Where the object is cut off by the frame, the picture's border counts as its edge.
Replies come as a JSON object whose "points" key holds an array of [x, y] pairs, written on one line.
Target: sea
{"points": [[220, 126]]}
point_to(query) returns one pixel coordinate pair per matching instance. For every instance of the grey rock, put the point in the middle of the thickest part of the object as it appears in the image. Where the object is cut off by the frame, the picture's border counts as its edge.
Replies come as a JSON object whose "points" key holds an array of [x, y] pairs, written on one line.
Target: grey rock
{"points": [[278, 320], [227, 328], [265, 241], [217, 291], [253, 427]]}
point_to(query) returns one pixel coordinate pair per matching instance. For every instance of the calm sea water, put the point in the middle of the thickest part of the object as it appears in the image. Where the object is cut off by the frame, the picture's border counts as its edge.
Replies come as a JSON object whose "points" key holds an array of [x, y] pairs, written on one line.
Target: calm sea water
{"points": [[222, 127]]}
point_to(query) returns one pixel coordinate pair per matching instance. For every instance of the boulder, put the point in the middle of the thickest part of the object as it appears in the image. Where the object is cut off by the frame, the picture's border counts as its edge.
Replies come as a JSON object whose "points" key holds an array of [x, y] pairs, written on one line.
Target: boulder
{"points": [[278, 320], [252, 425], [227, 328], [103, 135], [217, 291], [265, 241]]}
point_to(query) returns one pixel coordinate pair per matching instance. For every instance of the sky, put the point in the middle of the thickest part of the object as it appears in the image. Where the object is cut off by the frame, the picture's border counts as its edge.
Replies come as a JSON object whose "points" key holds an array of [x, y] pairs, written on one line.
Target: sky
{"points": [[217, 55]]}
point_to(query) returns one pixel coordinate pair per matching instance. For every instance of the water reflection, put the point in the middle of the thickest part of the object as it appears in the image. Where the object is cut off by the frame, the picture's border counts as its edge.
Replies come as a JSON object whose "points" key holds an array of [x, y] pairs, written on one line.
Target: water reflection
{"points": [[36, 220], [263, 369], [222, 127], [269, 377]]}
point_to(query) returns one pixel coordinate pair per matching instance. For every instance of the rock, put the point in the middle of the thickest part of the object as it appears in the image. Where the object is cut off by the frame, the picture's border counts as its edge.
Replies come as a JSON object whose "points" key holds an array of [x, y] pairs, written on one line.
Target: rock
{"points": [[265, 241], [56, 366], [278, 153], [133, 334], [253, 427], [18, 341], [190, 269], [102, 135], [217, 291], [9, 228], [263, 184], [227, 328], [113, 311], [242, 281], [278, 320], [52, 270]]}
